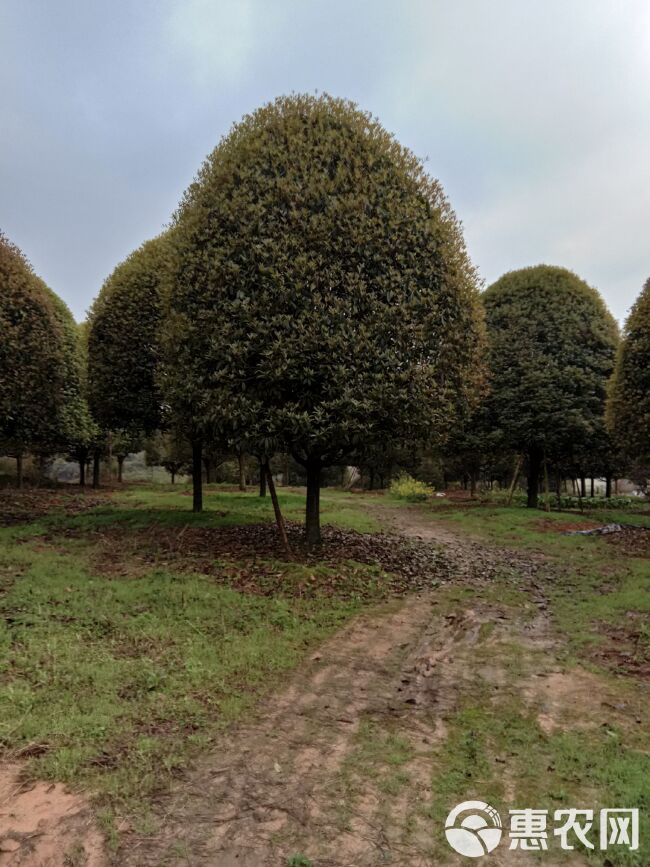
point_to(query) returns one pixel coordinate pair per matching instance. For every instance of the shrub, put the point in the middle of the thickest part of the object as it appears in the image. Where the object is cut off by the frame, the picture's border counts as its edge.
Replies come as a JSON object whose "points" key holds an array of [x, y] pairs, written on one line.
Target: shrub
{"points": [[407, 488]]}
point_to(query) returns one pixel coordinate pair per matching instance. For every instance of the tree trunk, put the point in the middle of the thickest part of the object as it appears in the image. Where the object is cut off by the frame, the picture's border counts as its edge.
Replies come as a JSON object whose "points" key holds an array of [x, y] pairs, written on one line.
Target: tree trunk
{"points": [[82, 472], [616, 486], [19, 471], [312, 511], [608, 486], [534, 467], [263, 466], [279, 520], [472, 485], [242, 471], [371, 483], [515, 476], [173, 475], [96, 456], [583, 487], [120, 464], [197, 476], [593, 487]]}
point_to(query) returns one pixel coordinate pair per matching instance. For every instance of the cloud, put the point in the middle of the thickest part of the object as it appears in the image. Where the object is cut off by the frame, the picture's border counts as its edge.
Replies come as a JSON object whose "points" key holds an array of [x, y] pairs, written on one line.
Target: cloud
{"points": [[534, 114], [217, 40]]}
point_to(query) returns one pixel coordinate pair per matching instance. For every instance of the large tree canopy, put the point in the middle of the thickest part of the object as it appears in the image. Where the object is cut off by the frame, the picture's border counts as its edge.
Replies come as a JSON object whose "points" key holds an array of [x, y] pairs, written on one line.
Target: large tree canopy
{"points": [[123, 328], [321, 296], [552, 344], [628, 408], [75, 424], [41, 406]]}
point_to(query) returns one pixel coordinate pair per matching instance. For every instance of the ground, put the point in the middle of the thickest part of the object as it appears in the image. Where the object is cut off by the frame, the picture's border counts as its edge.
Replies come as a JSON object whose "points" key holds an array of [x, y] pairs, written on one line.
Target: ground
{"points": [[177, 693]]}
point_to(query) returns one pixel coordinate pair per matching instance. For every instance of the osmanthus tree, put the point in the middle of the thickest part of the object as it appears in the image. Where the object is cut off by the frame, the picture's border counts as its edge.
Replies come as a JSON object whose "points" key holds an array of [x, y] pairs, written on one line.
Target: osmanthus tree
{"points": [[123, 328], [628, 406], [552, 344], [76, 431], [320, 296], [169, 449], [39, 386]]}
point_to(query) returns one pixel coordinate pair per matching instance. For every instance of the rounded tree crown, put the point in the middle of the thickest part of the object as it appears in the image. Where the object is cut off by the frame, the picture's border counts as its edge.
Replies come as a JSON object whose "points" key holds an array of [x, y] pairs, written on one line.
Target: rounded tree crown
{"points": [[322, 287], [628, 407], [552, 344], [551, 305], [123, 331], [41, 405]]}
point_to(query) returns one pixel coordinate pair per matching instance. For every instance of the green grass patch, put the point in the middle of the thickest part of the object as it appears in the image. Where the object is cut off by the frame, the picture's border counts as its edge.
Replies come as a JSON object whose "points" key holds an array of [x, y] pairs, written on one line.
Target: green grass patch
{"points": [[116, 683], [228, 508], [499, 754]]}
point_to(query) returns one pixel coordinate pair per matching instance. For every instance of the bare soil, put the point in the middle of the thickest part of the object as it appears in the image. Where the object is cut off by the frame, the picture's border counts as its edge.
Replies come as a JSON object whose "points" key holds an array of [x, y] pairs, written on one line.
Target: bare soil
{"points": [[294, 780], [300, 777], [22, 507], [44, 825], [249, 557]]}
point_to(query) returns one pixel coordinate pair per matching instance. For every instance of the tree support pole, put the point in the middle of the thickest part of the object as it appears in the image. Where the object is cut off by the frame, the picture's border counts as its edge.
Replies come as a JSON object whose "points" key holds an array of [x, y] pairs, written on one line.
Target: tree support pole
{"points": [[279, 520], [515, 476]]}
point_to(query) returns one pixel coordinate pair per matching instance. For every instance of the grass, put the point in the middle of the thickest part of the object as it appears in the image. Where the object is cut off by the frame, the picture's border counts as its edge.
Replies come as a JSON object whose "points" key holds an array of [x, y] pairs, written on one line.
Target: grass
{"points": [[115, 682], [558, 771], [599, 585], [339, 508]]}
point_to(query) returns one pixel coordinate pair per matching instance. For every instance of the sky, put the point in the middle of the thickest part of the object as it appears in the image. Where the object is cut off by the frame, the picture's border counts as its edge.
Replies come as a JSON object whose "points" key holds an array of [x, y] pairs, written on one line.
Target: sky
{"points": [[533, 114]]}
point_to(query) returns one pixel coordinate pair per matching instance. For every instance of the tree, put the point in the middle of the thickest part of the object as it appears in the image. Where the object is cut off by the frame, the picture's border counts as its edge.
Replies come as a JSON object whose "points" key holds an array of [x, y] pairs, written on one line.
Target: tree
{"points": [[123, 328], [552, 344], [83, 436], [628, 406], [170, 450], [320, 300], [40, 402]]}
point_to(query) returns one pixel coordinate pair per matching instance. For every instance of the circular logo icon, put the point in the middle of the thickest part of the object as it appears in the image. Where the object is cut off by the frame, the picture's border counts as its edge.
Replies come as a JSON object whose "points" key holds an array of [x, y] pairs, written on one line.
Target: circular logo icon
{"points": [[473, 828]]}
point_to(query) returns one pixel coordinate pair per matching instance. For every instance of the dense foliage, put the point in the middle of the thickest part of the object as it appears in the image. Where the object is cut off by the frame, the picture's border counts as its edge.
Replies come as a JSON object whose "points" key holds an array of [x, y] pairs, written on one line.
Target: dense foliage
{"points": [[124, 324], [321, 296], [552, 344], [628, 410], [41, 404], [405, 487]]}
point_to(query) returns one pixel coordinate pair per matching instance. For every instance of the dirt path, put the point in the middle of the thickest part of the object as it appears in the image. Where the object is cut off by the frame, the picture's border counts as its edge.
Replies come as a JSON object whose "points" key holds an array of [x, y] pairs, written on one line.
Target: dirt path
{"points": [[343, 766], [339, 767]]}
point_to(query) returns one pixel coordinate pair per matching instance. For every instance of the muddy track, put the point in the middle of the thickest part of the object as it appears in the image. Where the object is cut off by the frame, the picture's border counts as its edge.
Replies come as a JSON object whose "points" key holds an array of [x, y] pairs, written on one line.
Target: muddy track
{"points": [[294, 781], [312, 772]]}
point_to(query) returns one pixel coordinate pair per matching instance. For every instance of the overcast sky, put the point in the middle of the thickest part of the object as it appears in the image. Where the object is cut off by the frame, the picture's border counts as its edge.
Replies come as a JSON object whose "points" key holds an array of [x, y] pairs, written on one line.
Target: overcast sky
{"points": [[534, 115]]}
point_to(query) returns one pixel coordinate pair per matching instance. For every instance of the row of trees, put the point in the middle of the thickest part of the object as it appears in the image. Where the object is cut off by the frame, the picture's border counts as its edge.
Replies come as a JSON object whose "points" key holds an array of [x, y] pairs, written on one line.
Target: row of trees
{"points": [[313, 296]]}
